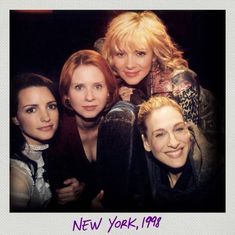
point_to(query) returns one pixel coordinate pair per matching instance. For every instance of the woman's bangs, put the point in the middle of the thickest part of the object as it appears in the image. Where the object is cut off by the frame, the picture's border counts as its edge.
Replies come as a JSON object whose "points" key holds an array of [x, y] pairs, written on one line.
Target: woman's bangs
{"points": [[131, 42]]}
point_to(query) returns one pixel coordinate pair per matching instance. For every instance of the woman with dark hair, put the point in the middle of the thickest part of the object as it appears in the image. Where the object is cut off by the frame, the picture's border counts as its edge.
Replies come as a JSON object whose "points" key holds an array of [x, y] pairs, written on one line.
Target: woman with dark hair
{"points": [[35, 115]]}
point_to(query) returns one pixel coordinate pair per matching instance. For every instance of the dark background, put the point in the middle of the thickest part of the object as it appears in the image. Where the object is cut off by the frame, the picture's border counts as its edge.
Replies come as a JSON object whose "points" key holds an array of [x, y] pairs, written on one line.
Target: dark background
{"points": [[41, 41]]}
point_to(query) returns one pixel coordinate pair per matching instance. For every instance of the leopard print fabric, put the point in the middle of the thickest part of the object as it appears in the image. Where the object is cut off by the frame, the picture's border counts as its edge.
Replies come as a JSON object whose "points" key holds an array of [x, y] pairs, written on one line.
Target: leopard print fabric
{"points": [[189, 101], [182, 87]]}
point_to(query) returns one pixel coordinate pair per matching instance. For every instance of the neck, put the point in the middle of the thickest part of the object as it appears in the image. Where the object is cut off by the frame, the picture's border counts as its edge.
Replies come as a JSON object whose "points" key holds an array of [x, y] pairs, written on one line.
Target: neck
{"points": [[173, 178], [88, 131], [87, 124]]}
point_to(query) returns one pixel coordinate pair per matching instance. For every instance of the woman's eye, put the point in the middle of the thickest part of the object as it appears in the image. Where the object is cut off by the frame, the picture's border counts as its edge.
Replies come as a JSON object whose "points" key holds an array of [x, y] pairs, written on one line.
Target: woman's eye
{"points": [[79, 87], [180, 129], [52, 106], [30, 110], [140, 53], [120, 54], [159, 135], [98, 86]]}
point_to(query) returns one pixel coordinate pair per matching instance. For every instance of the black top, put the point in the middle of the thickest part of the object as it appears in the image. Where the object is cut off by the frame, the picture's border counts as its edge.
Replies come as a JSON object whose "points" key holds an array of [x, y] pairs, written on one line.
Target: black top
{"points": [[67, 159]]}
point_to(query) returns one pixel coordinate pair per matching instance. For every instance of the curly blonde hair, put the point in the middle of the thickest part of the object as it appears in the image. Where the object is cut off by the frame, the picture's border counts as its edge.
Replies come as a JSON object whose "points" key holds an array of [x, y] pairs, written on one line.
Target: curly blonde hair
{"points": [[133, 30]]}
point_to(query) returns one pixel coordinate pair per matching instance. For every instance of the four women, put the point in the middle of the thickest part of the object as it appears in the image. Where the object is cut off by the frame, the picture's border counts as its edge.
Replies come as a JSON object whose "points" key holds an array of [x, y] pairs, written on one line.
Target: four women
{"points": [[146, 62]]}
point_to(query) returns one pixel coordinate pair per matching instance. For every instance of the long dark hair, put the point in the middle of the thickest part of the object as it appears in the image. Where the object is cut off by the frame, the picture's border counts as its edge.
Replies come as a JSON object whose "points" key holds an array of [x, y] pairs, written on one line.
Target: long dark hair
{"points": [[19, 83]]}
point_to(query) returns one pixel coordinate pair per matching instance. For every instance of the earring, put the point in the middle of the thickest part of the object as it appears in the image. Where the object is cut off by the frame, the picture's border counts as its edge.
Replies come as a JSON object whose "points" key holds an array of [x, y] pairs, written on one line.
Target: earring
{"points": [[67, 102], [15, 121]]}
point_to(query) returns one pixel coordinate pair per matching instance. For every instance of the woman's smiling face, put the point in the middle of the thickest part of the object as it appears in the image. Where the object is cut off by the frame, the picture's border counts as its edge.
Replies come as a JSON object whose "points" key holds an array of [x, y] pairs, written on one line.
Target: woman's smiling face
{"points": [[167, 136], [132, 65], [37, 114]]}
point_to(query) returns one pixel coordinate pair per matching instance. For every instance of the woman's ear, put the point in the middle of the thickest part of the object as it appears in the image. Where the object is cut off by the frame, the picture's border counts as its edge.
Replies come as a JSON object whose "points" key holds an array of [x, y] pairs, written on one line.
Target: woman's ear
{"points": [[66, 97], [146, 144], [154, 59], [66, 102], [15, 121]]}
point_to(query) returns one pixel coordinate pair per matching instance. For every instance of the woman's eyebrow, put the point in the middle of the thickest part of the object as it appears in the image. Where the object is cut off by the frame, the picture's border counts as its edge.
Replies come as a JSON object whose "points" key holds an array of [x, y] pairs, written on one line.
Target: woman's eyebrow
{"points": [[162, 129], [159, 129], [53, 101], [30, 105], [179, 123]]}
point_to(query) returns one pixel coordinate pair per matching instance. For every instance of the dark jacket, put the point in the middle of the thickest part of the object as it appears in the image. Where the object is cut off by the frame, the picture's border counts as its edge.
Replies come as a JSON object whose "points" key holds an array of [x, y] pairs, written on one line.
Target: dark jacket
{"points": [[198, 103], [67, 159], [120, 154], [200, 188]]}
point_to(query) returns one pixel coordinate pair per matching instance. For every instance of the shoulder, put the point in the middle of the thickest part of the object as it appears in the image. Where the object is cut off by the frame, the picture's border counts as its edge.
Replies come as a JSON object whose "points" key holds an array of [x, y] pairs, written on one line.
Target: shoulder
{"points": [[184, 72], [122, 106], [206, 96], [22, 165], [206, 103], [121, 110], [203, 154], [21, 185], [184, 75], [21, 177]]}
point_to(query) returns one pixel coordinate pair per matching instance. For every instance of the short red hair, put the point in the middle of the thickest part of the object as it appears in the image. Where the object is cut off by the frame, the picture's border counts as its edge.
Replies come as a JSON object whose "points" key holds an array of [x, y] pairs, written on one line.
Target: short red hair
{"points": [[87, 57]]}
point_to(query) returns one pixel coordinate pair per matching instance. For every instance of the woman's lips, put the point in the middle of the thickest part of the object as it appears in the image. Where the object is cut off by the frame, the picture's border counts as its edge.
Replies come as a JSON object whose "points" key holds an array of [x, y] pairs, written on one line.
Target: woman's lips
{"points": [[46, 128], [131, 74], [175, 153], [90, 107]]}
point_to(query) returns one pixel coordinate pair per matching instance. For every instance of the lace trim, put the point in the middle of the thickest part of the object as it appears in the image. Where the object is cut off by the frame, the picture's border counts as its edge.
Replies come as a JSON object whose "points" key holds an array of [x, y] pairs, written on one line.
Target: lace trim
{"points": [[40, 147]]}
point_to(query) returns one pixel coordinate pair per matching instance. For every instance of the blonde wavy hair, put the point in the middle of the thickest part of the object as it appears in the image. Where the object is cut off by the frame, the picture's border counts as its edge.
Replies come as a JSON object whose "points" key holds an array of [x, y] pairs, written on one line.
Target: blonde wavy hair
{"points": [[135, 30], [154, 103]]}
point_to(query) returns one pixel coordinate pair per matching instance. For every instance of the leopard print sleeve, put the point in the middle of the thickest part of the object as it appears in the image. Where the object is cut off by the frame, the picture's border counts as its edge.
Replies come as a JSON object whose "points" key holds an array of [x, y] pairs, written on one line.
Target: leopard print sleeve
{"points": [[185, 90]]}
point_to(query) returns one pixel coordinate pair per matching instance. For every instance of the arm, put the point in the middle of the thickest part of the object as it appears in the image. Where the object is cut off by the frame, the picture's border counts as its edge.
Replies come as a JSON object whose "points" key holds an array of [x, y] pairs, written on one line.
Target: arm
{"points": [[198, 103], [204, 154], [186, 92], [20, 189]]}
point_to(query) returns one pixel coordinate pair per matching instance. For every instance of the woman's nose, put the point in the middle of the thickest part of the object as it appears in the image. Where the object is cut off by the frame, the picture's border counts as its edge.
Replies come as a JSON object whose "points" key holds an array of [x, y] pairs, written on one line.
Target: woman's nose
{"points": [[130, 63], [172, 141], [89, 96], [45, 117]]}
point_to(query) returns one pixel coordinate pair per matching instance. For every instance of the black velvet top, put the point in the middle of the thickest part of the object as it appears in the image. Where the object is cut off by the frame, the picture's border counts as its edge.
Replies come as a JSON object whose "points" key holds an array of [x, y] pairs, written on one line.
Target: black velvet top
{"points": [[67, 159]]}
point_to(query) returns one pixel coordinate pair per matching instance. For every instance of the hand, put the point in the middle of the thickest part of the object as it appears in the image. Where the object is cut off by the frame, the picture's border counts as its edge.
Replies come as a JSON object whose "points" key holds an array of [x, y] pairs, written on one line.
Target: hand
{"points": [[125, 93], [96, 204], [71, 192]]}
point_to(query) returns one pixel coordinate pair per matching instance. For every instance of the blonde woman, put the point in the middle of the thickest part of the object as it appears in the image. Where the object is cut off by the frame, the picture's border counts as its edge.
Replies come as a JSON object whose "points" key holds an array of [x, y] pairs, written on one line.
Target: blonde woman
{"points": [[147, 62]]}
